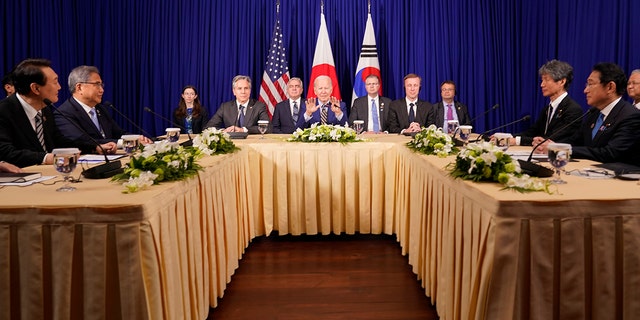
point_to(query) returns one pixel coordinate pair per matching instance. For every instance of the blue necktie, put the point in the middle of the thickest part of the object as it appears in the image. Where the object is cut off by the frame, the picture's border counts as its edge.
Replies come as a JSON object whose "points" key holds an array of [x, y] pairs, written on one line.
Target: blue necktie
{"points": [[597, 126], [374, 116], [241, 117], [94, 119], [412, 113], [296, 111]]}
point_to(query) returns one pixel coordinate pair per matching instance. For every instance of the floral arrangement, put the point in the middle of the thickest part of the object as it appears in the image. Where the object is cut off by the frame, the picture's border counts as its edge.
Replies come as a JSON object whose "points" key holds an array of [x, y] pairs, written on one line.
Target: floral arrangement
{"points": [[157, 162], [484, 161], [325, 133], [432, 140], [213, 141]]}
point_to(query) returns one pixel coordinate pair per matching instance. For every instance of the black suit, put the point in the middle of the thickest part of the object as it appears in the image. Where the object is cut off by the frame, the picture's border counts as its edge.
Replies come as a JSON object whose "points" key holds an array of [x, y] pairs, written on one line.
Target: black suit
{"points": [[436, 116], [617, 141], [197, 123], [567, 111], [399, 115], [18, 141], [73, 111], [282, 121], [360, 111], [227, 115]]}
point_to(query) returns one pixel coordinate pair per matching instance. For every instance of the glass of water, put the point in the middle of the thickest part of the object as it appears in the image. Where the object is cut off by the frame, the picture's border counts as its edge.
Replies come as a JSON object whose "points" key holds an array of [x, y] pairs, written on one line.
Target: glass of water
{"points": [[465, 132], [358, 126], [559, 155], [65, 161], [262, 127]]}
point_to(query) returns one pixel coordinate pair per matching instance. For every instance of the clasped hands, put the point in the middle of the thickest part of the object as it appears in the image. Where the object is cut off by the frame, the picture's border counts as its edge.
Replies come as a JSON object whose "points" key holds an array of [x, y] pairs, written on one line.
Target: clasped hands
{"points": [[312, 107], [413, 127], [543, 147]]}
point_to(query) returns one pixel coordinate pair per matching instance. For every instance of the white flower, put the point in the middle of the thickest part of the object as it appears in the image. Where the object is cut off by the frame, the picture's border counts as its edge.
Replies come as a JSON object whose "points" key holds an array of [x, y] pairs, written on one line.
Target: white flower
{"points": [[145, 180]]}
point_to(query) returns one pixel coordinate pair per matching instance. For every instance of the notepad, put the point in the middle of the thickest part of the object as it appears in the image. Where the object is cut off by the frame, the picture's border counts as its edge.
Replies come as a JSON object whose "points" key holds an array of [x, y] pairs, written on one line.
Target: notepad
{"points": [[18, 177]]}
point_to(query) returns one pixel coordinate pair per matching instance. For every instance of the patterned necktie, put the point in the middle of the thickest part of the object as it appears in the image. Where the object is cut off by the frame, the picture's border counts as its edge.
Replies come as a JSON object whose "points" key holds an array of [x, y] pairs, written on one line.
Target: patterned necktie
{"points": [[374, 116], [412, 113], [449, 117], [40, 130], [296, 111], [597, 126], [241, 117], [323, 114], [94, 119]]}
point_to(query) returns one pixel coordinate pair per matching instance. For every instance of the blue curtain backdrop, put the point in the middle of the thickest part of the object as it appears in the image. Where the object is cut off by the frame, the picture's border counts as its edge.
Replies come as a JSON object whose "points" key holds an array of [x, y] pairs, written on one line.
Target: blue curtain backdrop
{"points": [[148, 50]]}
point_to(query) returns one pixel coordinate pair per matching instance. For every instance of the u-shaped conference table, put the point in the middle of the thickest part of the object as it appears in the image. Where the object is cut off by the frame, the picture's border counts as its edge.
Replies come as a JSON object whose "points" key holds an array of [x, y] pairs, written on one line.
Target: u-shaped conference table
{"points": [[168, 252]]}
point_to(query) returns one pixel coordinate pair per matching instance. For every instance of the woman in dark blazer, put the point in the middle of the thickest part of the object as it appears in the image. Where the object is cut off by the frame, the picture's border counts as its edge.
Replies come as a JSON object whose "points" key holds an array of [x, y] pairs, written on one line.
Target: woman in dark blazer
{"points": [[189, 108]]}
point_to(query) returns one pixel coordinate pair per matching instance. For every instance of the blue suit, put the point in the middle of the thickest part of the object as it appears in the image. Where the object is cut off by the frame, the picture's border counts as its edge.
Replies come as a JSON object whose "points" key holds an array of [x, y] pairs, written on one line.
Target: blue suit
{"points": [[73, 111], [282, 120], [331, 116]]}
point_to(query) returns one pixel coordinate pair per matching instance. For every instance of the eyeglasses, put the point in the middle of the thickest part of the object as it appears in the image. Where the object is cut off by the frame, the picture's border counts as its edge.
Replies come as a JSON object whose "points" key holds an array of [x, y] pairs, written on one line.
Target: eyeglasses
{"points": [[372, 84], [590, 84], [99, 84], [633, 83]]}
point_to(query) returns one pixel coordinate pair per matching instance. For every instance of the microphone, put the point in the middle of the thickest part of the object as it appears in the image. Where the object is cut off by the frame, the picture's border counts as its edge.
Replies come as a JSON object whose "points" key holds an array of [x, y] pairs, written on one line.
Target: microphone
{"points": [[536, 170], [110, 105], [482, 135], [105, 170], [157, 115], [495, 106]]}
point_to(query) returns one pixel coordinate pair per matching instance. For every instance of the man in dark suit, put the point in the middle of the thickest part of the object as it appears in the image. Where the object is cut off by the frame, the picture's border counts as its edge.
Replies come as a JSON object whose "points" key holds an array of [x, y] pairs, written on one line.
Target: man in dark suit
{"points": [[28, 132], [448, 109], [86, 112], [241, 114], [326, 109], [555, 78], [373, 109], [287, 115], [409, 114], [610, 134]]}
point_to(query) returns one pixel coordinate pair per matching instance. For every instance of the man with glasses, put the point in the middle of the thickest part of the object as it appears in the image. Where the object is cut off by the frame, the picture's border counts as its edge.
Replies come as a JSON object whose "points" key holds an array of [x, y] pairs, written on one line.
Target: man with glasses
{"points": [[373, 108], [633, 87], [287, 114], [85, 110], [448, 109], [28, 133], [610, 132]]}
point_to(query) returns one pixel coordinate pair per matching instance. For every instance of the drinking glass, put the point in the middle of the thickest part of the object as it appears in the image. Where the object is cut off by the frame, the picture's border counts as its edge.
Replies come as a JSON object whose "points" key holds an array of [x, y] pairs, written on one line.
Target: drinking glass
{"points": [[173, 134], [452, 127], [130, 143], [262, 127], [559, 155], [65, 161], [502, 140], [358, 126], [465, 132]]}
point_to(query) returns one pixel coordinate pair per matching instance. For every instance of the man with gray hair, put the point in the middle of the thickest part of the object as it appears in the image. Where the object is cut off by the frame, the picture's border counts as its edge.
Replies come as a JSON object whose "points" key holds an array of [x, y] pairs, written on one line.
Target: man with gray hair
{"points": [[242, 113], [633, 87], [555, 78], [85, 110], [287, 115]]}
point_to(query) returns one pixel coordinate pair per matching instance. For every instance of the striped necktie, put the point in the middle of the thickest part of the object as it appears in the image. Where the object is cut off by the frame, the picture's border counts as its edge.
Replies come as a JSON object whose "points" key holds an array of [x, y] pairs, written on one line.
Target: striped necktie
{"points": [[40, 130], [324, 113]]}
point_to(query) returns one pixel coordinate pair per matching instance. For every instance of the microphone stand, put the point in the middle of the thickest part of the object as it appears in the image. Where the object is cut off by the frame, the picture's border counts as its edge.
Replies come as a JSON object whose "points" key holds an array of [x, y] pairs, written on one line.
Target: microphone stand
{"points": [[157, 115], [135, 125], [481, 136], [495, 106], [105, 170]]}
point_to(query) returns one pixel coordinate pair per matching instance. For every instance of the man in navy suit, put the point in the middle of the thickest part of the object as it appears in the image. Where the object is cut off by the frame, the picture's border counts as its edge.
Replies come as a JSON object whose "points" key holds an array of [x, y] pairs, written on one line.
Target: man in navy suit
{"points": [[287, 115], [373, 109], [555, 78], [610, 133], [448, 109], [28, 133], [326, 109], [409, 114], [86, 112], [241, 114]]}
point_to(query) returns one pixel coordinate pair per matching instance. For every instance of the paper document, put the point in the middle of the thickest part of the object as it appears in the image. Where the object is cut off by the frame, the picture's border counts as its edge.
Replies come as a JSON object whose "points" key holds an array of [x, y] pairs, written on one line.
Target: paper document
{"points": [[99, 157]]}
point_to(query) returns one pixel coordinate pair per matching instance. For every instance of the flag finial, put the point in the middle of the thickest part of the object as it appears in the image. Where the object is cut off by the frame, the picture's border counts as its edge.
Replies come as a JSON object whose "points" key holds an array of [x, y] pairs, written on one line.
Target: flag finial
{"points": [[369, 6], [277, 6], [322, 6]]}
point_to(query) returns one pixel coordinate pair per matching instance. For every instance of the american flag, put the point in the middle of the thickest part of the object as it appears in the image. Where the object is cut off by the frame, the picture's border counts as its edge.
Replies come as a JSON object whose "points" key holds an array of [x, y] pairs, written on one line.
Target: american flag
{"points": [[276, 72]]}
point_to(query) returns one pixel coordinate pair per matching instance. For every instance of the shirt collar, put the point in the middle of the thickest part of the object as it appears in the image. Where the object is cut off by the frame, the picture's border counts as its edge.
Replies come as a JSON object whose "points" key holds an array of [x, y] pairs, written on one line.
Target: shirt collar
{"points": [[609, 107], [28, 109]]}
